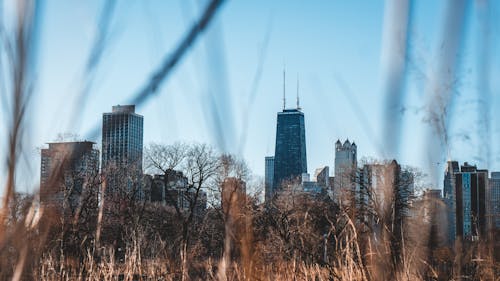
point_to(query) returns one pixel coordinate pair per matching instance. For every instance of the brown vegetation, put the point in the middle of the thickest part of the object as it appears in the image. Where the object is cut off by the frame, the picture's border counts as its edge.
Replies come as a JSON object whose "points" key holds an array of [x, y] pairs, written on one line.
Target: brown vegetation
{"points": [[113, 233], [297, 236]]}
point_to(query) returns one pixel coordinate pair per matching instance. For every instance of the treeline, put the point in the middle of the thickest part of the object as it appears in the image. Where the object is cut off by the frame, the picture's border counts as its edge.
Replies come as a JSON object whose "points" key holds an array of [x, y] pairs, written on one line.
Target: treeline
{"points": [[99, 233]]}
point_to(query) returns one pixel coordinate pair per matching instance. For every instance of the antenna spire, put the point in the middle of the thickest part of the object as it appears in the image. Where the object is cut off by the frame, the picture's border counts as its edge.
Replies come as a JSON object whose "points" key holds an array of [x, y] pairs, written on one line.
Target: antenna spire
{"points": [[284, 98], [298, 101]]}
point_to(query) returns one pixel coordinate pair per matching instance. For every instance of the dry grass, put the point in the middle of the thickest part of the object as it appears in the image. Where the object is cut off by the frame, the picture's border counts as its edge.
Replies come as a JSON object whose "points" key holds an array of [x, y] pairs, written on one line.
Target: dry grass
{"points": [[343, 264], [297, 239]]}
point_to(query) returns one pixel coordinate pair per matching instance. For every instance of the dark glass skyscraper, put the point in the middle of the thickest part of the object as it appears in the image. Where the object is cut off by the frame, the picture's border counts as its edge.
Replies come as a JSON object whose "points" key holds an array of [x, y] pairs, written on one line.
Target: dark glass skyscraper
{"points": [[449, 197], [467, 190], [268, 180], [494, 200], [122, 134], [290, 152]]}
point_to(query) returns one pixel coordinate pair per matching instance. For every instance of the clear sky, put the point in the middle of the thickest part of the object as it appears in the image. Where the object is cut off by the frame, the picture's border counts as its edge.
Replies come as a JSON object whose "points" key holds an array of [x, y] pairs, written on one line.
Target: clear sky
{"points": [[334, 47]]}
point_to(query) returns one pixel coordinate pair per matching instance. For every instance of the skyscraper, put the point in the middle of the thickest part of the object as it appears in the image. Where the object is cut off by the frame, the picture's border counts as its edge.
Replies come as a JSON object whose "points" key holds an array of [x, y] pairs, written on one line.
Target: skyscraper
{"points": [[380, 183], [386, 190], [449, 198], [345, 157], [269, 174], [494, 200], [468, 190], [66, 168], [290, 151], [122, 134], [345, 170]]}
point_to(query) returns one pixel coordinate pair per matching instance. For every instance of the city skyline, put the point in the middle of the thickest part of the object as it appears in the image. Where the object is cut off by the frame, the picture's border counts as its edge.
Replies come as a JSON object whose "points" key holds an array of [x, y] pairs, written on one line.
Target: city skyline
{"points": [[340, 78], [243, 140], [341, 152], [469, 193]]}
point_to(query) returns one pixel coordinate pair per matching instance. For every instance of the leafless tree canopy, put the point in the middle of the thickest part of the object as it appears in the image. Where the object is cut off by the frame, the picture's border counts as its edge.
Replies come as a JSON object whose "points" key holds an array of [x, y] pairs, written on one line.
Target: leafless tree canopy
{"points": [[159, 158]]}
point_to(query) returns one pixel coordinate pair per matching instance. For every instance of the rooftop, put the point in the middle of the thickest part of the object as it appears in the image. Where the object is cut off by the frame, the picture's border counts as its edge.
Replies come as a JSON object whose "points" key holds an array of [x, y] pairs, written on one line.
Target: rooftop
{"points": [[123, 109]]}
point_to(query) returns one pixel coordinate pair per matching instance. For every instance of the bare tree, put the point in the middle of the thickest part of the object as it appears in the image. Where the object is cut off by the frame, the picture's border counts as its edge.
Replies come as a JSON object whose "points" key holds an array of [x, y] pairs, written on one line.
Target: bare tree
{"points": [[232, 166], [386, 192], [235, 209], [199, 164], [160, 158]]}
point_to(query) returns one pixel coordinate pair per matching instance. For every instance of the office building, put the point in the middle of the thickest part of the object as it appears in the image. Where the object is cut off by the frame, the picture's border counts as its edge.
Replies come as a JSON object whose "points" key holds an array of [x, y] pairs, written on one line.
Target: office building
{"points": [[379, 184], [122, 135], [269, 175], [384, 200], [494, 201], [172, 189], [319, 185], [344, 184], [431, 210], [449, 198], [290, 152], [430, 203], [122, 145], [322, 177], [465, 194], [66, 169]]}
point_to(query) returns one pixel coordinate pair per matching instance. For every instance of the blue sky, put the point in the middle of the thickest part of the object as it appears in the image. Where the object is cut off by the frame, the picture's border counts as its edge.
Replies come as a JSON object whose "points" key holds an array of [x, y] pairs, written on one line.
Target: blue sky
{"points": [[321, 42]]}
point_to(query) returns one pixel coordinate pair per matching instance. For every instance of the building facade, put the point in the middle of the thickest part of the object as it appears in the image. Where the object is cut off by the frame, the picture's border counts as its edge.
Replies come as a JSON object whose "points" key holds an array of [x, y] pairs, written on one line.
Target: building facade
{"points": [[122, 147], [381, 183], [344, 184], [268, 179], [430, 203], [66, 169], [172, 189], [122, 137], [494, 201], [290, 160], [345, 166], [449, 196], [465, 191], [322, 177], [384, 200]]}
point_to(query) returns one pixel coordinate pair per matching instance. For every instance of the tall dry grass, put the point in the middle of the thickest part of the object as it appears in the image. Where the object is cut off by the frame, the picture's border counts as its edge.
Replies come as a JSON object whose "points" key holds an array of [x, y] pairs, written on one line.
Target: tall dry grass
{"points": [[296, 238]]}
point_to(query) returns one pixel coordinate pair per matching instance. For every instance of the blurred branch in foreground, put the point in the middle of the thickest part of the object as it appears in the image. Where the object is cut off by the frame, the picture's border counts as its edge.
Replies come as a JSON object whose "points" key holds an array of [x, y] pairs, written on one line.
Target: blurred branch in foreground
{"points": [[21, 64], [441, 89], [171, 61], [397, 25]]}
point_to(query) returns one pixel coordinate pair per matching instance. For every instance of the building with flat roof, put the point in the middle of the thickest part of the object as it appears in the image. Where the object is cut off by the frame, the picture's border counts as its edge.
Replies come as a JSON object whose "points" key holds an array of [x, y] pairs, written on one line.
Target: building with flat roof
{"points": [[172, 189], [290, 160], [466, 198], [122, 146], [268, 178], [66, 169], [122, 137], [494, 200]]}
